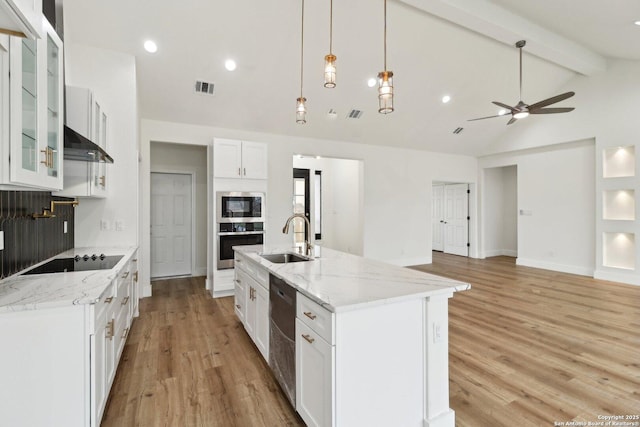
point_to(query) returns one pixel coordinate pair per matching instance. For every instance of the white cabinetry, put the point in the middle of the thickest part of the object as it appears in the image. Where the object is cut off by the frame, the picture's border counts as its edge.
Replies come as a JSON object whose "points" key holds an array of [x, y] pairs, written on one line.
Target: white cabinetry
{"points": [[86, 115], [315, 363], [239, 159], [21, 17], [62, 360], [33, 149], [252, 301]]}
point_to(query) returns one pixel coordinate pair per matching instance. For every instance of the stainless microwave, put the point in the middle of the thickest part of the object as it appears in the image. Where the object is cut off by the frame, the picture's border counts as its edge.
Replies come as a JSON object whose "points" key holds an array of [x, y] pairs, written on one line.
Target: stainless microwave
{"points": [[236, 206]]}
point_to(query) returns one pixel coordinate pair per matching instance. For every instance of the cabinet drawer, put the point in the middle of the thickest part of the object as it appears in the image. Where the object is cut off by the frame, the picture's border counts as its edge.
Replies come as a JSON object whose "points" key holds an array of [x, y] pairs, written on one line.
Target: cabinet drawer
{"points": [[316, 317], [262, 277]]}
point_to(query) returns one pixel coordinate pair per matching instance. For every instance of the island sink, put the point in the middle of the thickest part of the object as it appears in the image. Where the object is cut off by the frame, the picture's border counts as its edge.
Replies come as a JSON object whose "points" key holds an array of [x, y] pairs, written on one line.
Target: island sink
{"points": [[284, 258]]}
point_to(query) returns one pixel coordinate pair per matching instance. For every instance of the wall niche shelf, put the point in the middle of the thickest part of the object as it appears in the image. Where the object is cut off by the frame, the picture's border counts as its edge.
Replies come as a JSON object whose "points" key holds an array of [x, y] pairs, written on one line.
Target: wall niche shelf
{"points": [[619, 250], [618, 162], [619, 205]]}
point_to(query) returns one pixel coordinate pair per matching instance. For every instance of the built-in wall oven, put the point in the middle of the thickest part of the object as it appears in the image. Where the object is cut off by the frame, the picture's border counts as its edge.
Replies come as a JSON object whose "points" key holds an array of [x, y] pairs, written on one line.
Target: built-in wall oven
{"points": [[240, 219]]}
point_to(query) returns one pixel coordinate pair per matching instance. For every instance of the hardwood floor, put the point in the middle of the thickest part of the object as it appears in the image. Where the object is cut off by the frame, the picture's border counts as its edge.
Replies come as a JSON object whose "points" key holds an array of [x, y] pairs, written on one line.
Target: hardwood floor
{"points": [[528, 347], [189, 362], [531, 347]]}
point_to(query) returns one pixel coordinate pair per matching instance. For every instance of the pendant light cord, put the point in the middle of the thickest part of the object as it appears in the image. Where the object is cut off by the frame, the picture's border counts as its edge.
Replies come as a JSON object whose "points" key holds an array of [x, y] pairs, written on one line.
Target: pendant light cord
{"points": [[331, 27], [385, 35], [302, 50]]}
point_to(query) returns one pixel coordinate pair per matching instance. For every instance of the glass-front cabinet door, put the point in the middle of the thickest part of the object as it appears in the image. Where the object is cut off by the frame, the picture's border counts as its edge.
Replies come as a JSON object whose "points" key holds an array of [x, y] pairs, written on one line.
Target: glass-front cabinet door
{"points": [[36, 111]]}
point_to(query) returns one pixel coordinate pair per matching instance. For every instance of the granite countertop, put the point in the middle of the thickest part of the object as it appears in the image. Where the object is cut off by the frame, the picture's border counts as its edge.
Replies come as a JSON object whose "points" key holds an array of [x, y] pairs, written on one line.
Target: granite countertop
{"points": [[340, 281], [32, 292]]}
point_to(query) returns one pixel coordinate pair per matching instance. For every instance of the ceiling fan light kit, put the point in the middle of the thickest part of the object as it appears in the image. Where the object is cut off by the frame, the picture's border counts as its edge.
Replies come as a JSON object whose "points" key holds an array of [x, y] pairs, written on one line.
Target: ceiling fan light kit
{"points": [[522, 110]]}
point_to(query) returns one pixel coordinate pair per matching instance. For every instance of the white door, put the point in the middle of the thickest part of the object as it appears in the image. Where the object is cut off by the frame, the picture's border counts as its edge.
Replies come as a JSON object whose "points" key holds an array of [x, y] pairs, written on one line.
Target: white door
{"points": [[456, 223], [170, 224], [437, 218]]}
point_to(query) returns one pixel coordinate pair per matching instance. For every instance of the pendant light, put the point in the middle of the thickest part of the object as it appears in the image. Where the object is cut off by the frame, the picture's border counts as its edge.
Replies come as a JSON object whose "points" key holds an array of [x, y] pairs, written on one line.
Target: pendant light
{"points": [[385, 78], [301, 108], [330, 59]]}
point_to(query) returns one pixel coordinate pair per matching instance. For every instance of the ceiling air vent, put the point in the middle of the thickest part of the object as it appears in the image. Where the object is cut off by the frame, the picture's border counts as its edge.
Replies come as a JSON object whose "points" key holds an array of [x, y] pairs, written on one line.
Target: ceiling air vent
{"points": [[457, 131], [354, 114], [204, 87]]}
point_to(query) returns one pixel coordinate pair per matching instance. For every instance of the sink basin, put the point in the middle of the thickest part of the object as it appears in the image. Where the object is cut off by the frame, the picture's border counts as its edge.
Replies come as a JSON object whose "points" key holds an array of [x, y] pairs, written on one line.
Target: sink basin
{"points": [[284, 258]]}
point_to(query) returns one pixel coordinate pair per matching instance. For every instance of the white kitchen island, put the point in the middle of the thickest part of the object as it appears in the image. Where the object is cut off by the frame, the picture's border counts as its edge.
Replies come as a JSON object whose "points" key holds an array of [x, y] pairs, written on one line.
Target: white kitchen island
{"points": [[371, 339]]}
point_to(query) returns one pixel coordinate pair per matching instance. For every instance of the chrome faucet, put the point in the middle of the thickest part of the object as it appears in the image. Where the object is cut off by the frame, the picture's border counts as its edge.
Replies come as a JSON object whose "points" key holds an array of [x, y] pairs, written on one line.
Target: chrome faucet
{"points": [[285, 230]]}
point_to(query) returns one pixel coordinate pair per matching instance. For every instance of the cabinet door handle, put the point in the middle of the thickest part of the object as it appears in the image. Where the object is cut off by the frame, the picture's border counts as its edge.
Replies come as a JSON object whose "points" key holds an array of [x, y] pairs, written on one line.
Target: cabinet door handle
{"points": [[103, 180], [238, 260], [245, 171], [238, 171], [238, 307], [46, 157], [308, 338], [125, 300], [111, 327], [310, 315], [135, 276], [108, 300], [125, 275], [125, 333]]}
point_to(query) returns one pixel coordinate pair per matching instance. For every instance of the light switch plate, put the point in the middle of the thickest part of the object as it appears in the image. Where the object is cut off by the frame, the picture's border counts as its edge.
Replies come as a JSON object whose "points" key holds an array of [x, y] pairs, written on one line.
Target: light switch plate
{"points": [[65, 227], [1, 240]]}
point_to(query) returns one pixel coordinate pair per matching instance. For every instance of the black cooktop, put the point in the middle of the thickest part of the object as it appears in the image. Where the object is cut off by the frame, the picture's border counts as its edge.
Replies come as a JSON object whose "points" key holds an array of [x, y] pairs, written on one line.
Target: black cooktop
{"points": [[78, 263]]}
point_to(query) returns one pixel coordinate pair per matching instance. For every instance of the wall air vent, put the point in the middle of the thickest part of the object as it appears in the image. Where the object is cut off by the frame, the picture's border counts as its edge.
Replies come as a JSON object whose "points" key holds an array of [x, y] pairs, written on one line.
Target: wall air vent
{"points": [[204, 87], [354, 114], [457, 131]]}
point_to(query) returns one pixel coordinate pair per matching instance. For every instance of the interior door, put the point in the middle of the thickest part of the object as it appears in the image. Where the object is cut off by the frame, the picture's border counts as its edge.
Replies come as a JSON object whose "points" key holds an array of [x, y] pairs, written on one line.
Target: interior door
{"points": [[437, 217], [171, 232], [456, 222]]}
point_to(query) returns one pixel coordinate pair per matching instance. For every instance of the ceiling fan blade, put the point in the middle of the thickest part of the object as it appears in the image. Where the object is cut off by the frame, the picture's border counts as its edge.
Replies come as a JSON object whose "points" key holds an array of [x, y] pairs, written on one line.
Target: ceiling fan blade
{"points": [[488, 117], [551, 110], [551, 100], [513, 120], [500, 104]]}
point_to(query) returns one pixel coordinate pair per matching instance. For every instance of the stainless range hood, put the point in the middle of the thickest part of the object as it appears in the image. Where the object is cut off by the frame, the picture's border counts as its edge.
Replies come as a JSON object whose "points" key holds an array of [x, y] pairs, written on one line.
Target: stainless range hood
{"points": [[77, 147]]}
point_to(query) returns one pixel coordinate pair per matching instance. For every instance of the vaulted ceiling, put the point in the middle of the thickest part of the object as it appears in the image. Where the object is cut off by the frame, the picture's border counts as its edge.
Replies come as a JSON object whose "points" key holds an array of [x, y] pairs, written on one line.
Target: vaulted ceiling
{"points": [[460, 48]]}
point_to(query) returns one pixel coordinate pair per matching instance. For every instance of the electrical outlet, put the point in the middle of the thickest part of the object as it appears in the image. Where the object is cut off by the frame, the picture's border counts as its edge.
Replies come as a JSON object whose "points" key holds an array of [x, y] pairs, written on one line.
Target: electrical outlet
{"points": [[119, 225], [104, 225], [437, 332], [65, 227], [1, 240]]}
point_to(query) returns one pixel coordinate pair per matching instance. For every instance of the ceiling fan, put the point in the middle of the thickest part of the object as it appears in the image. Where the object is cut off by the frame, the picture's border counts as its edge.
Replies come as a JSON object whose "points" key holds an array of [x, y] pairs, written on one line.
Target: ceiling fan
{"points": [[522, 110]]}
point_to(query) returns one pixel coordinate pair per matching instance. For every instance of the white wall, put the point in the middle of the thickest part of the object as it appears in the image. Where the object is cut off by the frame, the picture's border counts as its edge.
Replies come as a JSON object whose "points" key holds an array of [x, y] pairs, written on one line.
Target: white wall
{"points": [[500, 211], [397, 186], [342, 194], [175, 158], [112, 77], [555, 189]]}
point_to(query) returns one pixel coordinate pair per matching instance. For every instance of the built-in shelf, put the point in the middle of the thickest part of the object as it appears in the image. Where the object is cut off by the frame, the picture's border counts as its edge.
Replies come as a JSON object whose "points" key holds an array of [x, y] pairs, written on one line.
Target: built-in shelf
{"points": [[619, 250], [619, 205], [619, 162]]}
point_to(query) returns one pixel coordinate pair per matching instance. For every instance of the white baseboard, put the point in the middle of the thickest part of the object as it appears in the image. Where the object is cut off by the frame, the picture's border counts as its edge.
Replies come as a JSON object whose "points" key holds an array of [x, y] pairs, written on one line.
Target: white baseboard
{"points": [[500, 252], [563, 268], [200, 271], [612, 276], [220, 293], [446, 419]]}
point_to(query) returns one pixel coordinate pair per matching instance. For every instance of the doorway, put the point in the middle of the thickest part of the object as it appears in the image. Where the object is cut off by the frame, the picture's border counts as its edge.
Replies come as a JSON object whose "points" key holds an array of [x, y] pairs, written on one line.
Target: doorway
{"points": [[500, 211], [450, 218], [171, 224]]}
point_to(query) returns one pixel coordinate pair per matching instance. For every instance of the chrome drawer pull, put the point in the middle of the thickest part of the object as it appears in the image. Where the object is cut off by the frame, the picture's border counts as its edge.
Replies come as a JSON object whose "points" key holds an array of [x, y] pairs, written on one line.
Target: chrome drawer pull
{"points": [[125, 275], [308, 338], [238, 307], [310, 315], [125, 300], [108, 300], [125, 333]]}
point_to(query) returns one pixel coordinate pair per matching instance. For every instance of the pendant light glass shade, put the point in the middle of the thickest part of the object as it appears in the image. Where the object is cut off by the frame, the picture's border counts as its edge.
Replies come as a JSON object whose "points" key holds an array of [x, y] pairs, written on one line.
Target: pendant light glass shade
{"points": [[301, 111], [385, 92], [330, 71]]}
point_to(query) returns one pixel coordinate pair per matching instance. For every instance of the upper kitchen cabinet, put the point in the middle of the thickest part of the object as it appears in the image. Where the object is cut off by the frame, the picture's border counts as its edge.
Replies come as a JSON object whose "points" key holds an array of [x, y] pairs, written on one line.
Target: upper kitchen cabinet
{"points": [[22, 18], [86, 116], [33, 79], [239, 159]]}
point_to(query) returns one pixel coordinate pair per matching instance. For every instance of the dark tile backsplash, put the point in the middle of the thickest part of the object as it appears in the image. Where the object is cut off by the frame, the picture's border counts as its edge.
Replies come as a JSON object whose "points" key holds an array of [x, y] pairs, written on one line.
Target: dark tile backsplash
{"points": [[28, 241]]}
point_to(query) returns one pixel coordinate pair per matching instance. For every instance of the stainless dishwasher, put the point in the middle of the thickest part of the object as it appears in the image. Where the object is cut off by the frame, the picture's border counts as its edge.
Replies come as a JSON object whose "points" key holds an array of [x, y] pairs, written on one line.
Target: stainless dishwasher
{"points": [[282, 344]]}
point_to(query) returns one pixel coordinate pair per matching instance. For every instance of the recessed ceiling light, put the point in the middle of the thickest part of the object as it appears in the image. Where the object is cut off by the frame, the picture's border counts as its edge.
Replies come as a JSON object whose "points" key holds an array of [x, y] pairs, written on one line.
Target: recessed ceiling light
{"points": [[230, 64], [371, 82], [502, 112], [637, 23], [446, 99], [150, 46]]}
